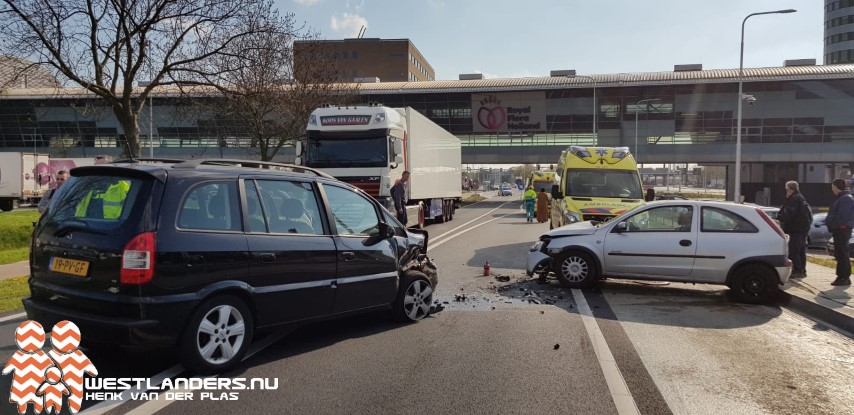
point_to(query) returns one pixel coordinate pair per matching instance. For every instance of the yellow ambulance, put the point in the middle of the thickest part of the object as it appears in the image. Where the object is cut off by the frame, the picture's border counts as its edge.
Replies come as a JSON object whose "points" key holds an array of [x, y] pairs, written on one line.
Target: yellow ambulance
{"points": [[541, 180], [594, 183]]}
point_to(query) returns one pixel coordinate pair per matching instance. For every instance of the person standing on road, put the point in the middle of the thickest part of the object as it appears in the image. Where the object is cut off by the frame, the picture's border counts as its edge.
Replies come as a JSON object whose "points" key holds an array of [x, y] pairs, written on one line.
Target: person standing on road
{"points": [[795, 218], [542, 206], [839, 222], [61, 176], [529, 199], [398, 195]]}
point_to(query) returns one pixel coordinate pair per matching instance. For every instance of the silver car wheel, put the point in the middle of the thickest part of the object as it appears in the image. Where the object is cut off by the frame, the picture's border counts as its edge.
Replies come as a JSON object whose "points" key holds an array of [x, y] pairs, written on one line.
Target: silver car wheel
{"points": [[574, 269], [417, 300], [220, 334]]}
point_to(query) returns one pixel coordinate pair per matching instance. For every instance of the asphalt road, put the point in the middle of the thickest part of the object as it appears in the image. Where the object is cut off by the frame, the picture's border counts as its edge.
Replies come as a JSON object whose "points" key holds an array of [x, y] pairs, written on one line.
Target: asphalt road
{"points": [[519, 347]]}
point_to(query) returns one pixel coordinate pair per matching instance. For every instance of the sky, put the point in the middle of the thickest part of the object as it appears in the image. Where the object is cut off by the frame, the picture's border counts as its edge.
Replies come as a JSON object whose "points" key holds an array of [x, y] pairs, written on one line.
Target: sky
{"points": [[508, 39]]}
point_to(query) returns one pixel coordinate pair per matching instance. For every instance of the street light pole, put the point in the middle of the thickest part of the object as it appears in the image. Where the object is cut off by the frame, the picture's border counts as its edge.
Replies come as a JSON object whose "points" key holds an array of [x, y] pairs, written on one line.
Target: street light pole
{"points": [[637, 111], [737, 197]]}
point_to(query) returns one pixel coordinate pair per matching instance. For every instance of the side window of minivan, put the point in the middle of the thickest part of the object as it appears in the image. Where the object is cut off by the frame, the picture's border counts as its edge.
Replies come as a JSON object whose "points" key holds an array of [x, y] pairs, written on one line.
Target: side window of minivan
{"points": [[211, 206], [283, 206], [352, 213]]}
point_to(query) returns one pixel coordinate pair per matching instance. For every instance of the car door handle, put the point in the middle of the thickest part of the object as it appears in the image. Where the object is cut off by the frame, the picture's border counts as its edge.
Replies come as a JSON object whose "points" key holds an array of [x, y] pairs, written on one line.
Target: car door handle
{"points": [[685, 242], [268, 257], [348, 256]]}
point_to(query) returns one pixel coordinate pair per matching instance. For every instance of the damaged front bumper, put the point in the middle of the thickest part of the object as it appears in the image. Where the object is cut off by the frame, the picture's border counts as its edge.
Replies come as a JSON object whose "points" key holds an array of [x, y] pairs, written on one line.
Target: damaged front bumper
{"points": [[536, 261]]}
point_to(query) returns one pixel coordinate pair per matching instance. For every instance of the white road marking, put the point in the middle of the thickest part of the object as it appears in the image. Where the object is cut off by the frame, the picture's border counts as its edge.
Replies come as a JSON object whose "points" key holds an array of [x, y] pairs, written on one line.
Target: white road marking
{"points": [[434, 245], [153, 406], [436, 238], [623, 399], [12, 317]]}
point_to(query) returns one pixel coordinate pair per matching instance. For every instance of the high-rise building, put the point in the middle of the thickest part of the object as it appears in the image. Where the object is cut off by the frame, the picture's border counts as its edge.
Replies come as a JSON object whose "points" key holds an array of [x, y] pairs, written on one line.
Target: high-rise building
{"points": [[838, 31], [363, 59]]}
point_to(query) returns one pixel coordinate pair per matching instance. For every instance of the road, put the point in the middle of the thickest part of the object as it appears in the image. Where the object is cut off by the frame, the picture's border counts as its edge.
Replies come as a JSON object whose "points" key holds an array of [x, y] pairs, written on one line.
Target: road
{"points": [[519, 347]]}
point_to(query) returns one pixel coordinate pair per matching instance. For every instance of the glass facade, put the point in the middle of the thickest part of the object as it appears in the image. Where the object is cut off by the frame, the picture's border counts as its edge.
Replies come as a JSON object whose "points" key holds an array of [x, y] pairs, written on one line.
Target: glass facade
{"points": [[838, 31], [792, 111]]}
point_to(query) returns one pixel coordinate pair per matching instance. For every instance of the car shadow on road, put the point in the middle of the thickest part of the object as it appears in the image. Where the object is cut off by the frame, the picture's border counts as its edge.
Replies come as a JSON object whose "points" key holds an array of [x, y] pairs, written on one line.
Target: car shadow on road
{"points": [[501, 256], [316, 336], [679, 305]]}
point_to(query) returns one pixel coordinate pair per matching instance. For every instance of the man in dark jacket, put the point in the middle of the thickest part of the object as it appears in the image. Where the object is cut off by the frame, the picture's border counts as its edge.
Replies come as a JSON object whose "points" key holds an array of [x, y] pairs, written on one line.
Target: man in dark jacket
{"points": [[795, 218], [398, 195], [840, 221]]}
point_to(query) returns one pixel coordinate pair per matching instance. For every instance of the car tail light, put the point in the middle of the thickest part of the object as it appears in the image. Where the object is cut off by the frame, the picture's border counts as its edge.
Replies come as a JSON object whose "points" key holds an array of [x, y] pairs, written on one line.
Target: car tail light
{"points": [[771, 223], [138, 259]]}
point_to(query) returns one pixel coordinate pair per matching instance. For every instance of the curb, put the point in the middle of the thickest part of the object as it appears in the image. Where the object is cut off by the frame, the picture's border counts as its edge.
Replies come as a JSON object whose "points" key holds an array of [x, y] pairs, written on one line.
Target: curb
{"points": [[835, 320]]}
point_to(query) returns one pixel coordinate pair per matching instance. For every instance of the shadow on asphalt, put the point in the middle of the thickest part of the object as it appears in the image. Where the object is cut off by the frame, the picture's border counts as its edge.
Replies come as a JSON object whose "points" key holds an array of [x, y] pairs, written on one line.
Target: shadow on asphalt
{"points": [[502, 256], [317, 336], [671, 305]]}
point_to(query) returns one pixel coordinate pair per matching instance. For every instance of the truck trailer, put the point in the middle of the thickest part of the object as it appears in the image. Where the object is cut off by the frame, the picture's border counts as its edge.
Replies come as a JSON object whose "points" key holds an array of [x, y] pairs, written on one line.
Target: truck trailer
{"points": [[371, 146], [24, 177]]}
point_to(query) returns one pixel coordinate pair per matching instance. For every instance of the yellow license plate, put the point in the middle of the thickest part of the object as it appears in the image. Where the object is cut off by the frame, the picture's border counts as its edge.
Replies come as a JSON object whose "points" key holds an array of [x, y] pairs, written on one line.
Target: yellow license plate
{"points": [[69, 266]]}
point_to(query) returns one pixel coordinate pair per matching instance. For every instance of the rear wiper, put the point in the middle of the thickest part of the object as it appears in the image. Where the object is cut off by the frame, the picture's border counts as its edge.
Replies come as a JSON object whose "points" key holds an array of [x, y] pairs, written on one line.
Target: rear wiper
{"points": [[70, 226]]}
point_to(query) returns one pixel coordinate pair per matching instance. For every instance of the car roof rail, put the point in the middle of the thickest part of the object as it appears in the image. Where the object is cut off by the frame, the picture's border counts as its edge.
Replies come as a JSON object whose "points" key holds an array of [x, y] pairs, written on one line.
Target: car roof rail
{"points": [[149, 160], [255, 164]]}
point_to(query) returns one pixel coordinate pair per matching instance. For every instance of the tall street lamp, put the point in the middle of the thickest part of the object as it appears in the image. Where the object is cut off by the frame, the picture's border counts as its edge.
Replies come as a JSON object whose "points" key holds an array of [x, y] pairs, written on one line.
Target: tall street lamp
{"points": [[637, 111], [741, 98]]}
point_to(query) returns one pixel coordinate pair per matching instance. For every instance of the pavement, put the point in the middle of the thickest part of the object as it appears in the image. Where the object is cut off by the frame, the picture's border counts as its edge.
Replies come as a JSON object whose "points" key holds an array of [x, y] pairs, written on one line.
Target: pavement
{"points": [[15, 269], [815, 298], [812, 296]]}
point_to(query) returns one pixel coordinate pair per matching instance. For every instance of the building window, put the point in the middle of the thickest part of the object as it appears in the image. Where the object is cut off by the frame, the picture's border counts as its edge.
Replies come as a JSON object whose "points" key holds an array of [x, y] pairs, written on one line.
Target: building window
{"points": [[344, 55], [354, 54]]}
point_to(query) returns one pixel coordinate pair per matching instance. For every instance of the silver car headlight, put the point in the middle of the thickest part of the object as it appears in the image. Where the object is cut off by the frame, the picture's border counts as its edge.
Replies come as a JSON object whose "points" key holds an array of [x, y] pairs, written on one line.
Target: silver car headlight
{"points": [[536, 247], [572, 217]]}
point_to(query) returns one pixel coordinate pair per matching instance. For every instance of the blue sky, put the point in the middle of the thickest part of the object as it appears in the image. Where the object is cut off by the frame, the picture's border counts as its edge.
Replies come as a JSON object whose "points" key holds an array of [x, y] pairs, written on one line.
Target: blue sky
{"points": [[504, 39]]}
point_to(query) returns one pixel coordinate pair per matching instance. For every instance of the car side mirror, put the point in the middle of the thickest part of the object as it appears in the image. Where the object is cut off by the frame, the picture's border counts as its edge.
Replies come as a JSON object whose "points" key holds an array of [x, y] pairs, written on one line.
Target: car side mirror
{"points": [[621, 227], [386, 230], [398, 158], [556, 192], [298, 161], [298, 148]]}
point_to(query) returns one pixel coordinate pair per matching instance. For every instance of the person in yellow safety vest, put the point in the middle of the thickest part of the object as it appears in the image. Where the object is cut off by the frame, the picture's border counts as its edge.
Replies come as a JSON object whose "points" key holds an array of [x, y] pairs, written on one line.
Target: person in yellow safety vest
{"points": [[113, 199], [530, 198]]}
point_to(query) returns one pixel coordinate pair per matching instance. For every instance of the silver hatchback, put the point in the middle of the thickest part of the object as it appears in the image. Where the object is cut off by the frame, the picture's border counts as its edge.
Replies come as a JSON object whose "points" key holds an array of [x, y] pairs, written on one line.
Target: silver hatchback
{"points": [[676, 240]]}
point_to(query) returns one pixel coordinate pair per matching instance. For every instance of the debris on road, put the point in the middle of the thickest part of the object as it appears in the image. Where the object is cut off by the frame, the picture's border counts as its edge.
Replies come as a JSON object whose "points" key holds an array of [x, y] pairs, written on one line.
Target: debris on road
{"points": [[503, 278], [460, 297], [435, 308], [557, 346]]}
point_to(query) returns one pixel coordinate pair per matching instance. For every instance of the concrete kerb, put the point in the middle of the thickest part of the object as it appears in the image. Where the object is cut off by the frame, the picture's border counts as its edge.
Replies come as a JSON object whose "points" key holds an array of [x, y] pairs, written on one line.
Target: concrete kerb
{"points": [[822, 314]]}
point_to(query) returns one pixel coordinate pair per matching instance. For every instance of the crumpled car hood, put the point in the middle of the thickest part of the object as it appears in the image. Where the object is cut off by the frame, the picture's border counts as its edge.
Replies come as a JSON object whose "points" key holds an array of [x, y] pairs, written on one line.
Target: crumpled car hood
{"points": [[578, 228]]}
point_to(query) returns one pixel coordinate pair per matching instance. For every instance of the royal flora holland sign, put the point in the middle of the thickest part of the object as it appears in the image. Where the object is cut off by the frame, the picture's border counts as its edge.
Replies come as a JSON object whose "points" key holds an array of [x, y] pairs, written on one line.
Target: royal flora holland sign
{"points": [[509, 112], [43, 379]]}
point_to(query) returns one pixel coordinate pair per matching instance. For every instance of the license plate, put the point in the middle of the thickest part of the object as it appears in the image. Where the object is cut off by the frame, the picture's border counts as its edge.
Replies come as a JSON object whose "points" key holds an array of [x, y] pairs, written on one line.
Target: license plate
{"points": [[69, 266]]}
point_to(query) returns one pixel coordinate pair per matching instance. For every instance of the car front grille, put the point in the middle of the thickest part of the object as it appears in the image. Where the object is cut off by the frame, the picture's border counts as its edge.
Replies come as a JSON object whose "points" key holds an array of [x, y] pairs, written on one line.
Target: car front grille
{"points": [[600, 218]]}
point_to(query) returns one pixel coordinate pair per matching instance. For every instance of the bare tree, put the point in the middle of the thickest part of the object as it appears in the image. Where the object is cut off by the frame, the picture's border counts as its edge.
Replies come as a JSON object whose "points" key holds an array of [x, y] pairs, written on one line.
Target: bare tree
{"points": [[106, 46], [268, 93]]}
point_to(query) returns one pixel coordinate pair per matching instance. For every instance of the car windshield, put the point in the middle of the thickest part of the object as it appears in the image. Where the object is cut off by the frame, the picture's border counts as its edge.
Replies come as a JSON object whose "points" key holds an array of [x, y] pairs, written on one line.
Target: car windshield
{"points": [[622, 184]]}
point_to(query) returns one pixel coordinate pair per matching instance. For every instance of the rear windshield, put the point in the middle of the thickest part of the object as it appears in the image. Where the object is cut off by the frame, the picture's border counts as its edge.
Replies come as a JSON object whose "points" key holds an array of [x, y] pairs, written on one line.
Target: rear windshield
{"points": [[103, 203]]}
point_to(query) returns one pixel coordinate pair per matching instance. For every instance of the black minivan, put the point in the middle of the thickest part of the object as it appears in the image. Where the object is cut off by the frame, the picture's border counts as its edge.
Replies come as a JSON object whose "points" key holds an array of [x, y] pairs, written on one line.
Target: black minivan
{"points": [[200, 254]]}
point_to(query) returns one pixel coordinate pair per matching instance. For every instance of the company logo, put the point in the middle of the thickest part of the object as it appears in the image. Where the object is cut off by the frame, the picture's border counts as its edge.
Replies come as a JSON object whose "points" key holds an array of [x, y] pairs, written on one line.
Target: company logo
{"points": [[40, 378], [345, 120], [491, 114]]}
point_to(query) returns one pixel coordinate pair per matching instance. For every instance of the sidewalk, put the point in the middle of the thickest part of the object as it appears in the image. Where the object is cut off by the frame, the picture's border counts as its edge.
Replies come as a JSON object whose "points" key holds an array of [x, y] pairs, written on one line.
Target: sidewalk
{"points": [[15, 269], [816, 298]]}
